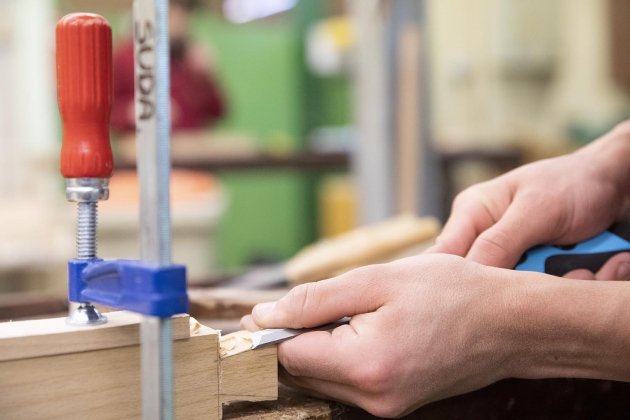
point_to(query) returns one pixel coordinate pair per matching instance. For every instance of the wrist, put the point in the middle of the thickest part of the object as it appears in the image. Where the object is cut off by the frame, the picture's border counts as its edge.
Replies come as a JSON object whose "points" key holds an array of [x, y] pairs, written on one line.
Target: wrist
{"points": [[558, 327], [609, 155]]}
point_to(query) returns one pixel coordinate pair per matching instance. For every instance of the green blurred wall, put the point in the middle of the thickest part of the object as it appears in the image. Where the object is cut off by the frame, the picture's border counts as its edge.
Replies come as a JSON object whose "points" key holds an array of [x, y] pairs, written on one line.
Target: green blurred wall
{"points": [[259, 66], [271, 213]]}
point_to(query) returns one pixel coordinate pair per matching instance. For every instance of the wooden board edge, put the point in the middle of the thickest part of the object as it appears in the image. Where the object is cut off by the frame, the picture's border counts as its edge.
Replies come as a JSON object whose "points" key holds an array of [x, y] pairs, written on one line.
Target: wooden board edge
{"points": [[53, 336]]}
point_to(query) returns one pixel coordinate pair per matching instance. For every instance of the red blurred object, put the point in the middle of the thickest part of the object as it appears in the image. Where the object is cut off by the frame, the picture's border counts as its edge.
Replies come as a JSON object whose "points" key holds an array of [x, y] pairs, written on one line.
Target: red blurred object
{"points": [[84, 93], [197, 100]]}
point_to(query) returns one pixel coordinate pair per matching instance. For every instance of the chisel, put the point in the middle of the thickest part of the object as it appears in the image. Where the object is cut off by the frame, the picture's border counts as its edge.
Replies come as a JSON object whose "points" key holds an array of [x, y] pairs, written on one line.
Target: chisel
{"points": [[590, 254], [277, 335]]}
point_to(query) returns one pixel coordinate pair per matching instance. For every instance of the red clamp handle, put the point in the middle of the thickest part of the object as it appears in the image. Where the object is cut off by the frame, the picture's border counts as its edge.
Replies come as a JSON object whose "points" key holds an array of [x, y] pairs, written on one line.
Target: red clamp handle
{"points": [[84, 94]]}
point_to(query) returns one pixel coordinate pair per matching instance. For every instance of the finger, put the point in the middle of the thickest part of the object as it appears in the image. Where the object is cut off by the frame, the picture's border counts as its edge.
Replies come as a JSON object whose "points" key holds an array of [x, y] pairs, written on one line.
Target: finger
{"points": [[503, 244], [580, 274], [247, 323], [325, 355], [322, 389], [469, 217], [312, 304], [378, 404], [616, 268]]}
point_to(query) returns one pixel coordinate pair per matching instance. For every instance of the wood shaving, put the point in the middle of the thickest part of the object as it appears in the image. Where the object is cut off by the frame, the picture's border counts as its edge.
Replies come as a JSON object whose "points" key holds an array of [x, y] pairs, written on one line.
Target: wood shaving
{"points": [[235, 343]]}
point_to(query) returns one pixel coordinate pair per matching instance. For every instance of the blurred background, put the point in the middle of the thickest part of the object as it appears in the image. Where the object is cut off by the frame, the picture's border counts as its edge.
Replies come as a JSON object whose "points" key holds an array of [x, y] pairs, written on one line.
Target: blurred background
{"points": [[296, 120]]}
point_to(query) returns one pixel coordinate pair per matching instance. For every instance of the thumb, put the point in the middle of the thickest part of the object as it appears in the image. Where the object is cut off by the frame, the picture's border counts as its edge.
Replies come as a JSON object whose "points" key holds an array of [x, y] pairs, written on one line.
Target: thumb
{"points": [[313, 304], [502, 244]]}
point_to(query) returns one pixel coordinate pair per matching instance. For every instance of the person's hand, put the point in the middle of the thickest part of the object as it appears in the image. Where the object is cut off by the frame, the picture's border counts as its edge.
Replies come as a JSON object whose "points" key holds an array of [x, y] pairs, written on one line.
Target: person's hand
{"points": [[556, 201], [422, 329]]}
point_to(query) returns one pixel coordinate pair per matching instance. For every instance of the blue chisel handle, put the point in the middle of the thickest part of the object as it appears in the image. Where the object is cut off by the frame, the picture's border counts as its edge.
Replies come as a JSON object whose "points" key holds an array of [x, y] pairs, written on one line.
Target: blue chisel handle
{"points": [[590, 254]]}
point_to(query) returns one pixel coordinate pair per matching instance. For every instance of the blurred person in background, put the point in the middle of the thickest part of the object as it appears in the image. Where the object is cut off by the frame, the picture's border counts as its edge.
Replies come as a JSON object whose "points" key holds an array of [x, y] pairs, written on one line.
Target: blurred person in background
{"points": [[197, 101]]}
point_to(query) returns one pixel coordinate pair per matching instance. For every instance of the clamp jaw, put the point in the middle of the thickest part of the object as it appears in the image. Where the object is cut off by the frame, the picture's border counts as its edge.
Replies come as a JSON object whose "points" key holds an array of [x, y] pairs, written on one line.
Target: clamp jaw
{"points": [[130, 285]]}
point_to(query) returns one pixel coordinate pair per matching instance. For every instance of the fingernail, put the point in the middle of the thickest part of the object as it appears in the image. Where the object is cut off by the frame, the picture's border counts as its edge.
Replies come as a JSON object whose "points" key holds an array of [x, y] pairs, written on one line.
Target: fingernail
{"points": [[623, 272], [262, 311]]}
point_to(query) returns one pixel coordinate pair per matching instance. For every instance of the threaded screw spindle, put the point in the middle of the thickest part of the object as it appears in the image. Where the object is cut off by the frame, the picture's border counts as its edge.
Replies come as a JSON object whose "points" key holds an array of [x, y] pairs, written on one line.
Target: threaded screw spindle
{"points": [[86, 230]]}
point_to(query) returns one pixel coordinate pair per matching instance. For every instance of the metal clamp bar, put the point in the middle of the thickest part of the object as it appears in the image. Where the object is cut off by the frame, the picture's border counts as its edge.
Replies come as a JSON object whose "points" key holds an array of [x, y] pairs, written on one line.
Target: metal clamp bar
{"points": [[152, 88]]}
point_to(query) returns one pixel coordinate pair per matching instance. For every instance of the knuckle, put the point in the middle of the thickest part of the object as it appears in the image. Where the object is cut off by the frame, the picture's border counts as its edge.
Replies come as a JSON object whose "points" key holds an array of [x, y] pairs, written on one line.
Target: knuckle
{"points": [[464, 196], [312, 297], [289, 363], [366, 275], [472, 193], [494, 243], [384, 406], [437, 261], [373, 378], [495, 240], [300, 301], [480, 198], [532, 199], [370, 278], [296, 296]]}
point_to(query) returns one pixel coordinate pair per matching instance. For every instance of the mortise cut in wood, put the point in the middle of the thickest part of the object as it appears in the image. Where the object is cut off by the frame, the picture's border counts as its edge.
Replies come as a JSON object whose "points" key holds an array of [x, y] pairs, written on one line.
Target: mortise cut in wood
{"points": [[49, 370], [239, 363]]}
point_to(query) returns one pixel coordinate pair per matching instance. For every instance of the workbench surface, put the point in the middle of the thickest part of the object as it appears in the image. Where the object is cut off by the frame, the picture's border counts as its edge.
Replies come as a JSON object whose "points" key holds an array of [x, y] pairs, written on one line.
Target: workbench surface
{"points": [[508, 399]]}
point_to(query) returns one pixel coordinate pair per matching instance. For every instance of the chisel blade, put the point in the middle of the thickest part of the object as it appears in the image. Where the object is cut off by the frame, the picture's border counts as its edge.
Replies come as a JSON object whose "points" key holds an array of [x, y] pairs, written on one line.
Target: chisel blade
{"points": [[277, 335]]}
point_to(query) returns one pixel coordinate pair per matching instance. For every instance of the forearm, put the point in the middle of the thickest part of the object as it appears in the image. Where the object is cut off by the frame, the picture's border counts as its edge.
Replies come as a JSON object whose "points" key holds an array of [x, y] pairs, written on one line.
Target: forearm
{"points": [[568, 328]]}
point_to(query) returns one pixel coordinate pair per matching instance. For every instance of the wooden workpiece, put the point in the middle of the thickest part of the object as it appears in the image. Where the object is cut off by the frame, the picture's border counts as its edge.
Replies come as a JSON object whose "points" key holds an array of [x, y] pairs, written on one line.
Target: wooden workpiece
{"points": [[55, 371]]}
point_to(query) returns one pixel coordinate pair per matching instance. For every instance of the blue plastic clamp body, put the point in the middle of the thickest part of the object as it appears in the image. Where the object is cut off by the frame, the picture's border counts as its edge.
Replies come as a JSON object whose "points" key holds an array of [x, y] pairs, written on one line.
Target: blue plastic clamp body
{"points": [[129, 285], [604, 242]]}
